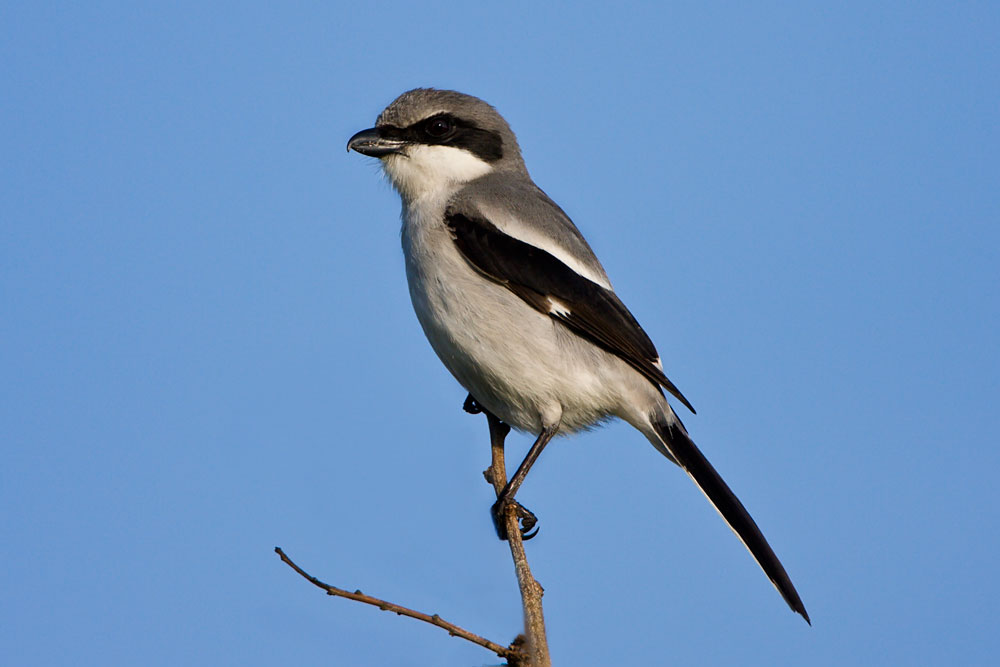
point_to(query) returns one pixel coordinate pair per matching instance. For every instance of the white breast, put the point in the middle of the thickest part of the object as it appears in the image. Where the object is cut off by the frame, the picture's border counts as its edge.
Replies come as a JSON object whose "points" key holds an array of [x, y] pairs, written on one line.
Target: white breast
{"points": [[519, 363]]}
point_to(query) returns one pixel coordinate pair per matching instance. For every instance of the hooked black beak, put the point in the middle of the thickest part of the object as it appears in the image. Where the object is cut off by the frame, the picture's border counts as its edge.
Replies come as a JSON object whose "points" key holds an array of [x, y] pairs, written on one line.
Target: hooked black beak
{"points": [[371, 143]]}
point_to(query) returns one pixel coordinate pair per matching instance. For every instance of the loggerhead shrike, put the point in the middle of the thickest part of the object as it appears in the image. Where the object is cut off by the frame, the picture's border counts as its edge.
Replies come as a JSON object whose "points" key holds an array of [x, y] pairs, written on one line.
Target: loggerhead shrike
{"points": [[515, 303]]}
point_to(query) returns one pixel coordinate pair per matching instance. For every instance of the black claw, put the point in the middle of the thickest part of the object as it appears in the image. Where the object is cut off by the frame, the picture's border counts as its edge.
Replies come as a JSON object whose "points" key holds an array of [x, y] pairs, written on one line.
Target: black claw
{"points": [[471, 405], [526, 519]]}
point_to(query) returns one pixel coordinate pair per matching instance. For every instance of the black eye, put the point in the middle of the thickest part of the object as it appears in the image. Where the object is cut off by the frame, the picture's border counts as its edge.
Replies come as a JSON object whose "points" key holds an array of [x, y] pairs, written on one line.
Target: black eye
{"points": [[438, 128]]}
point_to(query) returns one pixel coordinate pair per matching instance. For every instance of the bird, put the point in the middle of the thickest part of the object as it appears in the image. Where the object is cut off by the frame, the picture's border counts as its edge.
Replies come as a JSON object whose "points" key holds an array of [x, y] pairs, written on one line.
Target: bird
{"points": [[517, 306]]}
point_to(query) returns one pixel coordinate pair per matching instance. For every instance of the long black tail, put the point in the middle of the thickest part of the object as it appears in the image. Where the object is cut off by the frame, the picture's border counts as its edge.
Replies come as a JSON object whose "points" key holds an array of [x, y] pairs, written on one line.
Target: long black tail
{"points": [[694, 463]]}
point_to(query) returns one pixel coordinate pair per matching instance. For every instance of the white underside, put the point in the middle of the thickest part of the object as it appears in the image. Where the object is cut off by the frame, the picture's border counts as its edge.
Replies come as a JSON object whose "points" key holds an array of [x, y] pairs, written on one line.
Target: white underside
{"points": [[520, 364]]}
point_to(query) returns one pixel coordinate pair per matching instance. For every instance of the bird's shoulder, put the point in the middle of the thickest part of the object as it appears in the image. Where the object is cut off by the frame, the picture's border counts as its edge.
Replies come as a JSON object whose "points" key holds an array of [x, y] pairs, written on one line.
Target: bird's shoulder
{"points": [[520, 209]]}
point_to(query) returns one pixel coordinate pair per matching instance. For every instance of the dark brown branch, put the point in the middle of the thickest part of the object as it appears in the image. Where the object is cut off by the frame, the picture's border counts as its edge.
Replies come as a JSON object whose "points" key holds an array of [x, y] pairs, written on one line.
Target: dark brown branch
{"points": [[531, 590], [511, 653]]}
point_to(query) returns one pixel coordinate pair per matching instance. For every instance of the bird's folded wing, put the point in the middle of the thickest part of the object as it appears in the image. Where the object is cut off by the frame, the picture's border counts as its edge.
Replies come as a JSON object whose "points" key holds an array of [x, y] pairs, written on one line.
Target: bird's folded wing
{"points": [[551, 287]]}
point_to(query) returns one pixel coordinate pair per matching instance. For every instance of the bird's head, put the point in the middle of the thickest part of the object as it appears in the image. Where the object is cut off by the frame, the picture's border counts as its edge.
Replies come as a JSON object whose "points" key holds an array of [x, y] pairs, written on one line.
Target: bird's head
{"points": [[433, 141]]}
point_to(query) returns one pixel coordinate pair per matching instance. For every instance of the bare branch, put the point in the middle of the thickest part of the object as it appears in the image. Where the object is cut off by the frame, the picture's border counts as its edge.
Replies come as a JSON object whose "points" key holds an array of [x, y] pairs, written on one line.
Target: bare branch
{"points": [[511, 653], [531, 590]]}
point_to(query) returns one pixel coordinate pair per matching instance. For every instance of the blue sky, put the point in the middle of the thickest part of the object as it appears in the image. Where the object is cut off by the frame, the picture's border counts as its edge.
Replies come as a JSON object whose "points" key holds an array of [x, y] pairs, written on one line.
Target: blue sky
{"points": [[208, 349]]}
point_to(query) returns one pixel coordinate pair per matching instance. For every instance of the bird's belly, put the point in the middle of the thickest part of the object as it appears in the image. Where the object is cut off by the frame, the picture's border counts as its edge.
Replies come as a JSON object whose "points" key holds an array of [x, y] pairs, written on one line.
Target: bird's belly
{"points": [[520, 364]]}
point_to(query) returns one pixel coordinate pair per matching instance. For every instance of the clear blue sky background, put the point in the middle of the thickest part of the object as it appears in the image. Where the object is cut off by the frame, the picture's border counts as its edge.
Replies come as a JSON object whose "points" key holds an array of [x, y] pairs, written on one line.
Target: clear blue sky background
{"points": [[207, 347]]}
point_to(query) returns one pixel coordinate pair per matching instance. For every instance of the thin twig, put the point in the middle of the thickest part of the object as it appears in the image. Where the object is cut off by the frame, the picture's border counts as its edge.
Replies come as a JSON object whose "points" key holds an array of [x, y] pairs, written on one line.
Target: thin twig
{"points": [[511, 653], [531, 590]]}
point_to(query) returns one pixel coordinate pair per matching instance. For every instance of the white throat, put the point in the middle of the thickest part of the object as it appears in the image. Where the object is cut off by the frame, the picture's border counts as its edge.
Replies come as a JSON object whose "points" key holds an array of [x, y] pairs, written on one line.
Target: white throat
{"points": [[431, 170]]}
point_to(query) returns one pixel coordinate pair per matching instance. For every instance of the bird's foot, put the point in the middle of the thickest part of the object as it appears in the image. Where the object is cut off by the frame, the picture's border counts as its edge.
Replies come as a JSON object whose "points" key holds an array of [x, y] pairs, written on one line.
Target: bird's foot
{"points": [[471, 406], [526, 519]]}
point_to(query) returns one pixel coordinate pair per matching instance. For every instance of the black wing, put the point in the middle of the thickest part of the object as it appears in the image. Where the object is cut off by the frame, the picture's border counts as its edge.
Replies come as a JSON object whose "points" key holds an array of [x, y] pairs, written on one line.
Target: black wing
{"points": [[551, 287]]}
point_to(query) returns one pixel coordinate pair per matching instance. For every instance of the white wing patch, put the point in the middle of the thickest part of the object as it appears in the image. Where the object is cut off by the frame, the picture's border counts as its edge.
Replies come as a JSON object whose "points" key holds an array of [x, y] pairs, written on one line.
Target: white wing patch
{"points": [[557, 307]]}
